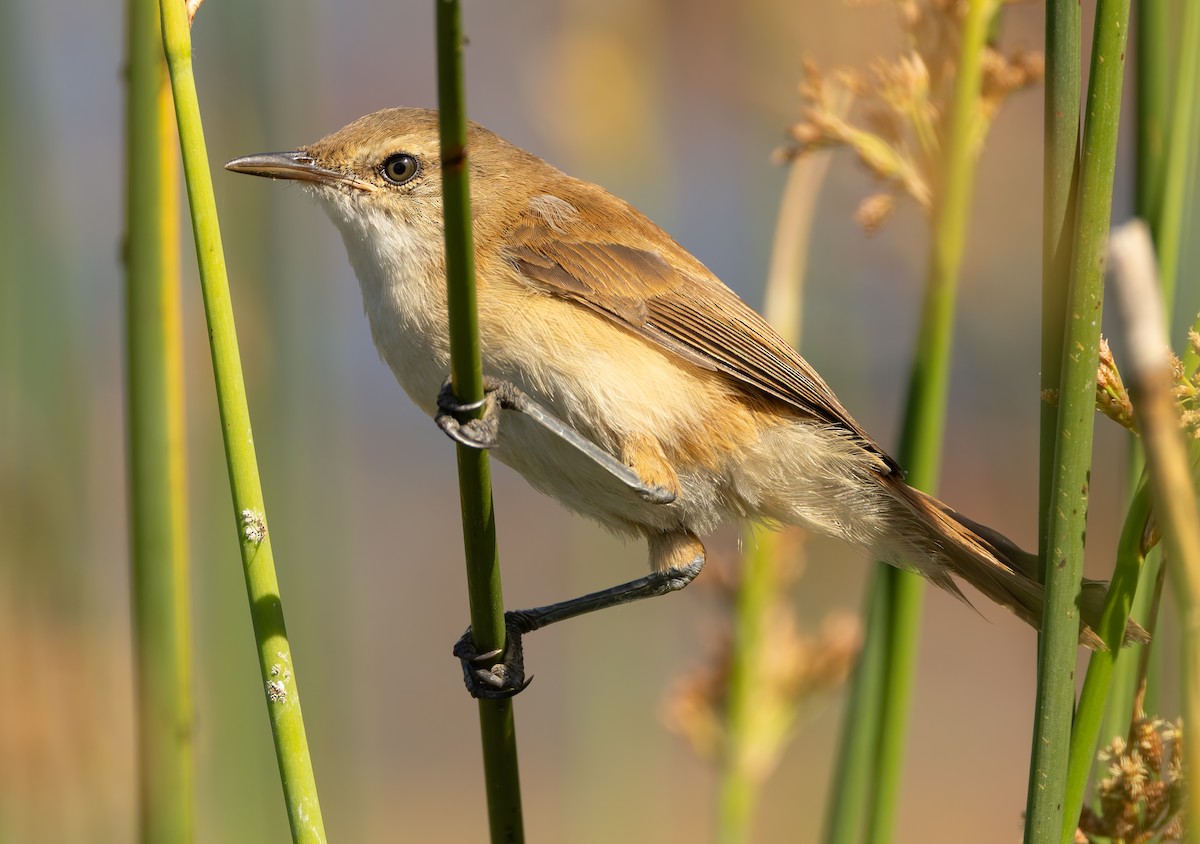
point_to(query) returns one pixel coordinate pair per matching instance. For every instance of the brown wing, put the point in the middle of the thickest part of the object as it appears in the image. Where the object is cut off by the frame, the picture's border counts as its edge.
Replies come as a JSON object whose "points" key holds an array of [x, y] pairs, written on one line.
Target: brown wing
{"points": [[675, 302]]}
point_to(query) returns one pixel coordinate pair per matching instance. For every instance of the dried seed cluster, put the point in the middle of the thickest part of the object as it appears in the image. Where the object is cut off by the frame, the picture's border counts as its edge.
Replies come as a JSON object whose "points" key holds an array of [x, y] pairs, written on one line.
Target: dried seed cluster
{"points": [[1112, 396], [1142, 798], [897, 131], [789, 669]]}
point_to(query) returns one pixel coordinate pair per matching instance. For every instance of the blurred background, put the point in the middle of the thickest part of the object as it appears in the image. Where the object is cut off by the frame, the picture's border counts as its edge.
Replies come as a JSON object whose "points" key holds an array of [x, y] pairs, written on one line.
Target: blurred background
{"points": [[676, 106]]}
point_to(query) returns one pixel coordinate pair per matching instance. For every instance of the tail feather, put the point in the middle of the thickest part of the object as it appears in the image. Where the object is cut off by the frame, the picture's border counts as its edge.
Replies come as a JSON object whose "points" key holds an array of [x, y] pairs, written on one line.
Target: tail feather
{"points": [[998, 568]]}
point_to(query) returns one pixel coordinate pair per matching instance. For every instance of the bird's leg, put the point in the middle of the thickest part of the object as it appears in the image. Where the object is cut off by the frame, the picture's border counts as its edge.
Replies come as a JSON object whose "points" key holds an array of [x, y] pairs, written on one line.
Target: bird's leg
{"points": [[483, 432], [496, 675]]}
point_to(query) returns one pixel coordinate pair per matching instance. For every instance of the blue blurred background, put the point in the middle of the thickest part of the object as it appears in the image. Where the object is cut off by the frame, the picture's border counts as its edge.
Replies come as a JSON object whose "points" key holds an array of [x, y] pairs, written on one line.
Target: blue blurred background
{"points": [[673, 105]]}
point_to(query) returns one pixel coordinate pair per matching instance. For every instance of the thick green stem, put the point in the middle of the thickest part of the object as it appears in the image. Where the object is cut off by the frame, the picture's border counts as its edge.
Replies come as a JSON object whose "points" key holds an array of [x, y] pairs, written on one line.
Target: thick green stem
{"points": [[1181, 153], [925, 414], [266, 611], [157, 476], [1060, 172], [496, 721], [1067, 501], [1162, 168], [1097, 683]]}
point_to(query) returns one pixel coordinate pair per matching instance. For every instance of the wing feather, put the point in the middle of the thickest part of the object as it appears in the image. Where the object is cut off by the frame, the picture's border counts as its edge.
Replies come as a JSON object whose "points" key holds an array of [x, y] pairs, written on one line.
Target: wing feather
{"points": [[674, 301]]}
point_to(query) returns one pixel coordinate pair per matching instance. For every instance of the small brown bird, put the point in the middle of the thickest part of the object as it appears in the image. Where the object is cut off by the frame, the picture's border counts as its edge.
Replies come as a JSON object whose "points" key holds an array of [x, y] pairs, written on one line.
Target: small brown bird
{"points": [[591, 314]]}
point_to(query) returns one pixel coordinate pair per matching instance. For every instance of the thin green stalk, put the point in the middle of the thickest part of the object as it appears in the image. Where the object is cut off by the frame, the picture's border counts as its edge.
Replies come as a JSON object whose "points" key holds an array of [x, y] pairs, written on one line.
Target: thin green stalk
{"points": [[496, 722], [737, 791], [1097, 683], [157, 472], [925, 414], [849, 797], [1066, 522], [1153, 30], [1180, 153], [266, 610], [1060, 180], [1152, 67], [739, 777], [1168, 463], [1187, 597]]}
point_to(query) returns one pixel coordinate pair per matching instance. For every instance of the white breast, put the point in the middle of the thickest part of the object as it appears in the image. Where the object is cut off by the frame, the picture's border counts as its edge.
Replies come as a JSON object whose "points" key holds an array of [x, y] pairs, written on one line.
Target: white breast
{"points": [[568, 358]]}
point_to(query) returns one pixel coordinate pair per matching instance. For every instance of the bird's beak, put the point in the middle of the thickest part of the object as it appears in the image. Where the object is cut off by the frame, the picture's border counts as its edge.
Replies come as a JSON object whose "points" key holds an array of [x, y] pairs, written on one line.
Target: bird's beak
{"points": [[298, 166]]}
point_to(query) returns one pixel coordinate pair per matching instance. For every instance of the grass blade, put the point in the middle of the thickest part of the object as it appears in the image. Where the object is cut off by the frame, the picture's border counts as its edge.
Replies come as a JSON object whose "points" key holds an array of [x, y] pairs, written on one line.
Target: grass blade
{"points": [[262, 587], [1068, 494], [925, 413], [1168, 462], [157, 464]]}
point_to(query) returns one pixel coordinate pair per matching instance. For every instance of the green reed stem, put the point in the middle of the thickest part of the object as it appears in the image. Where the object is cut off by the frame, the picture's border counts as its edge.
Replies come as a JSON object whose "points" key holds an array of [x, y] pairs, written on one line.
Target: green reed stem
{"points": [[850, 795], [1153, 62], [1060, 181], [496, 722], [1152, 58], [1098, 682], [1068, 495], [1181, 153], [739, 784], [1163, 166], [262, 588], [157, 465], [1169, 465], [925, 415], [739, 774]]}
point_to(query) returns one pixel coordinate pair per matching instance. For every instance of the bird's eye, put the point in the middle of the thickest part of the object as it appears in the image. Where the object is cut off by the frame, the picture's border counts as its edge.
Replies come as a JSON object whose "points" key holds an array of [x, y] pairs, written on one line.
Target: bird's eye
{"points": [[399, 168]]}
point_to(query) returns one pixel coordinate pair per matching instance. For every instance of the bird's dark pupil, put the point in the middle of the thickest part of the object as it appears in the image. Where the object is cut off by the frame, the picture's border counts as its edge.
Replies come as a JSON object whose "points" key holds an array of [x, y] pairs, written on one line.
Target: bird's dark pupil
{"points": [[399, 168]]}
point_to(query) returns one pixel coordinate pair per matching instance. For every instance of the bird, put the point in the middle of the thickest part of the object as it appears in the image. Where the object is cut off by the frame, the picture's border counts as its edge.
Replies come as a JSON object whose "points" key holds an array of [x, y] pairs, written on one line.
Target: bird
{"points": [[625, 380]]}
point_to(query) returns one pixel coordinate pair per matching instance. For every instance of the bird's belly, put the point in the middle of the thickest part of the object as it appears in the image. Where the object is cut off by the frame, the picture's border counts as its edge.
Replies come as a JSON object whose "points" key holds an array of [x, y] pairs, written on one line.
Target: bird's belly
{"points": [[558, 469], [601, 380]]}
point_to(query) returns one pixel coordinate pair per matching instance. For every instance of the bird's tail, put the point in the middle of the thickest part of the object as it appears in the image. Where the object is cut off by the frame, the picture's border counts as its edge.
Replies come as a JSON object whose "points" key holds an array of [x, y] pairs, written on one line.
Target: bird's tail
{"points": [[995, 566]]}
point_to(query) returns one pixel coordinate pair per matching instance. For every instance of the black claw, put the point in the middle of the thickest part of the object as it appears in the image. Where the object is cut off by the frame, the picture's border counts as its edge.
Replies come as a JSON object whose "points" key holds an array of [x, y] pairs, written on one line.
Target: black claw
{"points": [[484, 431], [490, 680], [473, 433]]}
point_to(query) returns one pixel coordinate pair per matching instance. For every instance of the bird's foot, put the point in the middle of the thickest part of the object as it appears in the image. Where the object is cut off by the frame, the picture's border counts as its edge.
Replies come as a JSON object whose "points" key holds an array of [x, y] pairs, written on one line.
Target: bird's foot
{"points": [[456, 419], [481, 432], [495, 675]]}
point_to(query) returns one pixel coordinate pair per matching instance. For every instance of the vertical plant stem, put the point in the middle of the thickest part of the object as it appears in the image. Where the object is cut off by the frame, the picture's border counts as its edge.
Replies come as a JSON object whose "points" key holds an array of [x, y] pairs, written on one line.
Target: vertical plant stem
{"points": [[1097, 683], [1152, 56], [1067, 519], [1180, 153], [262, 587], [1186, 585], [1060, 172], [925, 414], [1153, 59], [157, 477], [739, 784], [758, 588], [1168, 463], [496, 722], [849, 798], [1161, 182]]}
